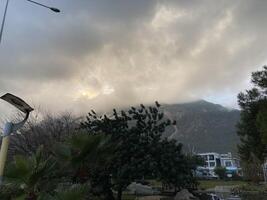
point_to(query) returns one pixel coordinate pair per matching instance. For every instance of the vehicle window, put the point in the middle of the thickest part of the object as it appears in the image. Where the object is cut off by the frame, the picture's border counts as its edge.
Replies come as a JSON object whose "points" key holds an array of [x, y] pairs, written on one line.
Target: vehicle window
{"points": [[228, 163]]}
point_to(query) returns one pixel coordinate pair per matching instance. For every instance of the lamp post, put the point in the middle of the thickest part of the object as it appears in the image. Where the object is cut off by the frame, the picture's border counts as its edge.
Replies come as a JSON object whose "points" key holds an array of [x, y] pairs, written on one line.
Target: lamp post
{"points": [[31, 1], [45, 6], [12, 127]]}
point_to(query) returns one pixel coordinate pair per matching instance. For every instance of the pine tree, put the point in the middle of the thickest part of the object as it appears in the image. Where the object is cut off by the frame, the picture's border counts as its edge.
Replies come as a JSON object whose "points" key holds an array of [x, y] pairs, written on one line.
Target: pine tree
{"points": [[252, 125]]}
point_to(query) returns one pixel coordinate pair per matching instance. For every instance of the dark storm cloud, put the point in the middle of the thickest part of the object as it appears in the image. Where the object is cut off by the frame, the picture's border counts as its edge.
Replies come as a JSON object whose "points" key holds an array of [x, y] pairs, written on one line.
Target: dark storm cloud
{"points": [[107, 53]]}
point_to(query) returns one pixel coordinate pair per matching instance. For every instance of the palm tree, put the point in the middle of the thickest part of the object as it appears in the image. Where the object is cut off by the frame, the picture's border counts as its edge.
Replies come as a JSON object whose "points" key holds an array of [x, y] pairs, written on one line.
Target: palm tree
{"points": [[62, 175], [80, 153], [85, 159], [32, 176], [77, 192]]}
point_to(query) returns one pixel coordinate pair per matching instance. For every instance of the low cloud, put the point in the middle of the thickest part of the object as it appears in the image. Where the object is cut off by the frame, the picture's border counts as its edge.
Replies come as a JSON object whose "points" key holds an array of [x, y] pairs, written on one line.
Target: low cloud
{"points": [[104, 54]]}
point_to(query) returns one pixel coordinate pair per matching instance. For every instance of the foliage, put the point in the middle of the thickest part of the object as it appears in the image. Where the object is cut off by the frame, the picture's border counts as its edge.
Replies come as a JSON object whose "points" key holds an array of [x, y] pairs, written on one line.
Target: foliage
{"points": [[139, 149], [253, 170], [77, 192], [252, 125], [32, 176], [220, 172], [79, 153], [105, 155], [253, 189], [83, 159], [174, 168], [261, 123], [62, 175], [7, 191], [43, 131]]}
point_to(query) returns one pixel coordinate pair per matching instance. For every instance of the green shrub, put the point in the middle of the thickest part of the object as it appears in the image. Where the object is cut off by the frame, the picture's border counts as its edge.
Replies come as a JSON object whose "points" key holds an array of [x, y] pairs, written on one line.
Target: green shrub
{"points": [[221, 172]]}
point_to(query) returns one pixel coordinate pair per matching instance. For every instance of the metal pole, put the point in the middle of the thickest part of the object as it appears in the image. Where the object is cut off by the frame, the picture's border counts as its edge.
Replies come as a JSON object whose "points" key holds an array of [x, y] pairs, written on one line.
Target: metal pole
{"points": [[3, 21], [5, 13], [38, 4], [9, 128], [4, 149], [3, 156]]}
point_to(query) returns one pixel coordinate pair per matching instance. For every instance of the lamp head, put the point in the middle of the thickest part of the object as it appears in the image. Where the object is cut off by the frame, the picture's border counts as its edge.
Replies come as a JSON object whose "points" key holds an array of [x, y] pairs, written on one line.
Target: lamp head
{"points": [[55, 10], [17, 102]]}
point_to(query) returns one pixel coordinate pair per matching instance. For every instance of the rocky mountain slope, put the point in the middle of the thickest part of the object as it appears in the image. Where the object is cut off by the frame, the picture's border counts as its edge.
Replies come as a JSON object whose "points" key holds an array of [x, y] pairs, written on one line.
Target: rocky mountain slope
{"points": [[203, 126]]}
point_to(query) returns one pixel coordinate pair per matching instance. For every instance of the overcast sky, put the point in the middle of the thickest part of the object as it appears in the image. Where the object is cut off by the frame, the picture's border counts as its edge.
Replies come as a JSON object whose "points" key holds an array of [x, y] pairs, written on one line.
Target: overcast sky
{"points": [[111, 53]]}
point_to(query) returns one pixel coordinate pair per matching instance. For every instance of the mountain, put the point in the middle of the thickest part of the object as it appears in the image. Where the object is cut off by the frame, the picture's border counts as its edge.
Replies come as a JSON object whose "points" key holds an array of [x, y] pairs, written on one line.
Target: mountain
{"points": [[203, 126]]}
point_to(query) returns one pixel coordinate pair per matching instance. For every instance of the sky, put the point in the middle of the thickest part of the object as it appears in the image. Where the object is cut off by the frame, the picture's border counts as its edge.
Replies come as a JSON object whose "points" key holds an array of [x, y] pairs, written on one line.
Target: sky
{"points": [[102, 54]]}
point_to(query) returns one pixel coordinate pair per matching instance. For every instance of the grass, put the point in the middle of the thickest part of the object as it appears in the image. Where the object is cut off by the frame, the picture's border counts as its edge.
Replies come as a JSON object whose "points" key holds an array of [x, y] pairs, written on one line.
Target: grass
{"points": [[128, 197], [155, 183], [253, 187], [243, 186], [208, 184]]}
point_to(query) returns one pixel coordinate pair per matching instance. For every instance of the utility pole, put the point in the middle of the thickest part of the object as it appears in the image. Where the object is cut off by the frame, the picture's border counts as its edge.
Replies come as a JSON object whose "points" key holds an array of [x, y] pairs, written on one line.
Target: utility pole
{"points": [[56, 10]]}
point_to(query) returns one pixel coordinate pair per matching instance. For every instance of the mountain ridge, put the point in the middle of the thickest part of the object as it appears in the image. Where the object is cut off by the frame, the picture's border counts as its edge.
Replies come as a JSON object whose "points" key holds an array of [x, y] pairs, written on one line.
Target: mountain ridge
{"points": [[203, 126]]}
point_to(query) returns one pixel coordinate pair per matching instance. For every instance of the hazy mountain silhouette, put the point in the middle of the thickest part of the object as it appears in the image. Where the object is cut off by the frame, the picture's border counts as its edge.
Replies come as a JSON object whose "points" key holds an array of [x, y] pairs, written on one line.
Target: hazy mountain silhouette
{"points": [[203, 126]]}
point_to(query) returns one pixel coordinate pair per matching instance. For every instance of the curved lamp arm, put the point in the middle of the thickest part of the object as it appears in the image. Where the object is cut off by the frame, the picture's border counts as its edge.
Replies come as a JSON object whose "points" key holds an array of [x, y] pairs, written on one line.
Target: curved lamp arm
{"points": [[12, 127], [18, 125]]}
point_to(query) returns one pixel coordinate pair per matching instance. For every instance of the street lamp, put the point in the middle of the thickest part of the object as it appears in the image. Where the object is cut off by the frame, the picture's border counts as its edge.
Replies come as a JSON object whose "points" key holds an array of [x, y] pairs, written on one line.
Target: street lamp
{"points": [[39, 4], [12, 127], [31, 1]]}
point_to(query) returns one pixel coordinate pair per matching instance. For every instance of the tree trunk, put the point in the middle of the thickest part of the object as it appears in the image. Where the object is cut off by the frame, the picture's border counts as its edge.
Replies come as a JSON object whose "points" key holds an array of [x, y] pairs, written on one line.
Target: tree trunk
{"points": [[119, 194], [109, 194], [31, 196]]}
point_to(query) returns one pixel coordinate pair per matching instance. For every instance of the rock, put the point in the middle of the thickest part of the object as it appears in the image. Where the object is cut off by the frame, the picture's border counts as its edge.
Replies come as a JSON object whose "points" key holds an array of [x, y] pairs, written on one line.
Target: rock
{"points": [[139, 189], [204, 196], [185, 195]]}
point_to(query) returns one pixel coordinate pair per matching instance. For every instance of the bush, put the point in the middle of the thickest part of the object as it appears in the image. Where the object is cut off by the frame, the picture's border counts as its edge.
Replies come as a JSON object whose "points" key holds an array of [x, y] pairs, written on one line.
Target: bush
{"points": [[42, 132], [221, 172], [237, 177]]}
